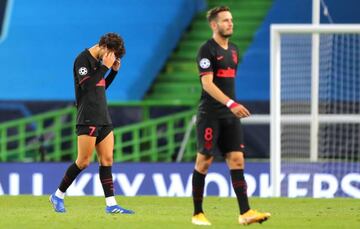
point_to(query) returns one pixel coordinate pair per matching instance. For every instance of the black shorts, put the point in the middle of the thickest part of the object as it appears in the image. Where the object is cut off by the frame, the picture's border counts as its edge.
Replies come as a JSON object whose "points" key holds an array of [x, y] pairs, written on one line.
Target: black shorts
{"points": [[214, 134], [100, 132]]}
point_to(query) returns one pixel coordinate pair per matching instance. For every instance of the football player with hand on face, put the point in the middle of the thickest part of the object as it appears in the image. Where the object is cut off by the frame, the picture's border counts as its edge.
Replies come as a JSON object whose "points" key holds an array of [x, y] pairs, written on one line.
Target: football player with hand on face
{"points": [[94, 127]]}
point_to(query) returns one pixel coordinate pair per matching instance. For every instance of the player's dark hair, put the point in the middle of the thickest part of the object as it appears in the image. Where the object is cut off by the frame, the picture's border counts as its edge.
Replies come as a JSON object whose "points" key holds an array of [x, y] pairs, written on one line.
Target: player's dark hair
{"points": [[213, 13], [113, 42]]}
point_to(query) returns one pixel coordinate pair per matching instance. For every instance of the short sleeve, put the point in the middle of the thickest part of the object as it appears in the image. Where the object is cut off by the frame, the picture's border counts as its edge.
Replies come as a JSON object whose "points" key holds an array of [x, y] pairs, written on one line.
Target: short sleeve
{"points": [[204, 60], [82, 69], [85, 76]]}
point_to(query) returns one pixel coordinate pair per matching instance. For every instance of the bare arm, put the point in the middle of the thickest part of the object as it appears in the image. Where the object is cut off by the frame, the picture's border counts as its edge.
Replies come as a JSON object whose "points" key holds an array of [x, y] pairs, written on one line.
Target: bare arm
{"points": [[208, 85]]}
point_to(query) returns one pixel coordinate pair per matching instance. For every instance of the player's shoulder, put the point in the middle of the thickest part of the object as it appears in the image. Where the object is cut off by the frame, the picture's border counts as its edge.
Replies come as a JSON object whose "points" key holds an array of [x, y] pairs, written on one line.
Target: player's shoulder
{"points": [[207, 46], [83, 54], [82, 57], [206, 43]]}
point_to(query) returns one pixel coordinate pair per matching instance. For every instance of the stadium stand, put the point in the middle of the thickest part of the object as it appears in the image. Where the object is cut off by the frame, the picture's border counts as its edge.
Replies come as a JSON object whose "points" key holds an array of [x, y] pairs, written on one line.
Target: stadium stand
{"points": [[180, 75], [42, 43], [45, 40]]}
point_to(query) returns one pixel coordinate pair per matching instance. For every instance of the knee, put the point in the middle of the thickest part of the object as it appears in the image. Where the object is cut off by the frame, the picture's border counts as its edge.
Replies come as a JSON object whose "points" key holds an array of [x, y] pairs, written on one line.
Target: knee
{"points": [[203, 167], [83, 163], [106, 161], [237, 162]]}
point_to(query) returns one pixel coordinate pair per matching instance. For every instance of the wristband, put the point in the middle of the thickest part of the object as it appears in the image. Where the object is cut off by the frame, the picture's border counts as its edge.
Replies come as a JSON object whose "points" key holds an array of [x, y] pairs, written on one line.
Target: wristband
{"points": [[231, 104]]}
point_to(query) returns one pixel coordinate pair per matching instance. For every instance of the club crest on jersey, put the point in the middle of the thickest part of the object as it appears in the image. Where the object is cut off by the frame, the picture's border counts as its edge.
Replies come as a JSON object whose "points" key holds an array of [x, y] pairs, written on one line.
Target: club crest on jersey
{"points": [[234, 56], [83, 71], [204, 63]]}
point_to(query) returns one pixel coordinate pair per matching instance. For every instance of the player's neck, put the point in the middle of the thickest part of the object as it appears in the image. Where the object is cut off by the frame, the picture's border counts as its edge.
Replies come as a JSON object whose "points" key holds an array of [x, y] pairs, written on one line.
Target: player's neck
{"points": [[94, 51], [222, 41]]}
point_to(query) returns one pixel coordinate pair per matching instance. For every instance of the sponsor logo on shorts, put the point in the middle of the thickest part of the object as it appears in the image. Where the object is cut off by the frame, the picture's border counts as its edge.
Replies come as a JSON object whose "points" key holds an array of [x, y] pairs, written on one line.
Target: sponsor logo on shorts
{"points": [[208, 145]]}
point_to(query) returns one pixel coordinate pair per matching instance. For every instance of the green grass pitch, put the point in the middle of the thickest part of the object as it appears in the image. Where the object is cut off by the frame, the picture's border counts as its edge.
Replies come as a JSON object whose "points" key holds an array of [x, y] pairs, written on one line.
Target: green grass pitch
{"points": [[164, 212]]}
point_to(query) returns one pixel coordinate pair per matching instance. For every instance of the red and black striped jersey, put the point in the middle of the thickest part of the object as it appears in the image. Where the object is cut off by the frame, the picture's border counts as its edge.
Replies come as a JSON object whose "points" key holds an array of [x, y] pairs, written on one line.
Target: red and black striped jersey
{"points": [[90, 85], [222, 63]]}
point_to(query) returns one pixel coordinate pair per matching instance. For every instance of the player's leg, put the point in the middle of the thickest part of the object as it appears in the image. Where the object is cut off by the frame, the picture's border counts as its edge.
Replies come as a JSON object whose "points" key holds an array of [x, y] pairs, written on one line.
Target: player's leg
{"points": [[86, 145], [104, 149], [235, 162], [206, 139], [231, 141], [202, 165]]}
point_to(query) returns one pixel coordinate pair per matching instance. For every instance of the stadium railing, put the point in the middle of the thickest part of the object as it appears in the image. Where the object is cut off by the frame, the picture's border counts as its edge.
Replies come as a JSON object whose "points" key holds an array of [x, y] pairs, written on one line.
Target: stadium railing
{"points": [[155, 140], [51, 137]]}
